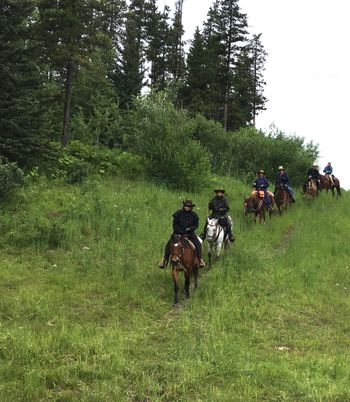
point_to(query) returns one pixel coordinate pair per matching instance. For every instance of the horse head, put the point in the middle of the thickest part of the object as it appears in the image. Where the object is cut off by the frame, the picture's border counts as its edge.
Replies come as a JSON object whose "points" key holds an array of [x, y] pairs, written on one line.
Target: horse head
{"points": [[176, 248], [212, 228]]}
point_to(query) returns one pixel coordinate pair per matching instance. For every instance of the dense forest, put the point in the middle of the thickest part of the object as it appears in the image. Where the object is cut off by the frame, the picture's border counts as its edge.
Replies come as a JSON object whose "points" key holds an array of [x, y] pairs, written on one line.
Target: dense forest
{"points": [[111, 84]]}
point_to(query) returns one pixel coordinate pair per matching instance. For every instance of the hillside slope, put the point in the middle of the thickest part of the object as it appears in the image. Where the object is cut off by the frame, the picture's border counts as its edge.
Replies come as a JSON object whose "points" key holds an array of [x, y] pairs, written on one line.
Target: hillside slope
{"points": [[86, 314]]}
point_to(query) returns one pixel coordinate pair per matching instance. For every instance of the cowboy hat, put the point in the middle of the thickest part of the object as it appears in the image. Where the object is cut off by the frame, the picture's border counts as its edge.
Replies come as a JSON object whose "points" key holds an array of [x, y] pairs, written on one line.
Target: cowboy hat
{"points": [[188, 203]]}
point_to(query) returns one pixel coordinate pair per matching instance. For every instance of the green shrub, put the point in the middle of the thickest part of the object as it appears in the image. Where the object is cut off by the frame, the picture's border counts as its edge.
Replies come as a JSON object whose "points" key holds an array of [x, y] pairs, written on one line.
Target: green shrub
{"points": [[130, 166], [163, 136], [77, 171], [11, 178]]}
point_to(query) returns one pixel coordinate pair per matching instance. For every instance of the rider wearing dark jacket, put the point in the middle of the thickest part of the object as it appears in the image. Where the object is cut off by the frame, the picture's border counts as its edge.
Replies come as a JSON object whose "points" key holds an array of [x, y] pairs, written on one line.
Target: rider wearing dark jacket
{"points": [[185, 222], [314, 174], [283, 179], [219, 208]]}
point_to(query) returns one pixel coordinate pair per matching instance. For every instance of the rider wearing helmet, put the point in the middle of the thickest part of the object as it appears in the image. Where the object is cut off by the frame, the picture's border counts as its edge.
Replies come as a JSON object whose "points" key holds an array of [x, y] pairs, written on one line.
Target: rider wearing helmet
{"points": [[219, 208], [261, 183], [328, 171], [185, 222], [283, 178]]}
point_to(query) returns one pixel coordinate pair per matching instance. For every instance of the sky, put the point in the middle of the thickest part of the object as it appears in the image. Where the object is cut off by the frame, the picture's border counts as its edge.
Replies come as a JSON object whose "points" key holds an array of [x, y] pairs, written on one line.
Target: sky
{"points": [[307, 69]]}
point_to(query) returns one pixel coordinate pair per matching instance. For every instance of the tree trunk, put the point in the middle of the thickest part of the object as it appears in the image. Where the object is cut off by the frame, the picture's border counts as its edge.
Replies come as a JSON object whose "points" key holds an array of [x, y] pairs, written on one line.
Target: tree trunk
{"points": [[67, 102]]}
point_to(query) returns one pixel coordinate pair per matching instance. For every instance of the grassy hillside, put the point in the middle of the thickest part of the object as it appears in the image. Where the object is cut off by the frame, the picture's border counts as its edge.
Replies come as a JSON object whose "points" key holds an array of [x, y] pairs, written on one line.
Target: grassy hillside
{"points": [[86, 314]]}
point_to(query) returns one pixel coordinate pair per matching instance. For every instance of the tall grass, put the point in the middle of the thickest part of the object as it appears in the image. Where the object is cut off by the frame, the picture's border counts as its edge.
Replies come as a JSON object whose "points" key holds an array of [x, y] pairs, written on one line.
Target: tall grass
{"points": [[86, 314]]}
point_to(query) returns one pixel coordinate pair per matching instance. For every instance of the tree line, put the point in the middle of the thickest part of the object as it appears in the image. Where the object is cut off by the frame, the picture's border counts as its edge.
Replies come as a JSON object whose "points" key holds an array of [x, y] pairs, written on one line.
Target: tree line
{"points": [[78, 70]]}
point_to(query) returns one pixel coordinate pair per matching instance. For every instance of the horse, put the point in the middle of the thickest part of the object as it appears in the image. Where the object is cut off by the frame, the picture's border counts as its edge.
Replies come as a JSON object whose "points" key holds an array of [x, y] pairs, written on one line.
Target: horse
{"points": [[255, 204], [327, 184], [215, 235], [183, 258], [282, 198], [310, 190]]}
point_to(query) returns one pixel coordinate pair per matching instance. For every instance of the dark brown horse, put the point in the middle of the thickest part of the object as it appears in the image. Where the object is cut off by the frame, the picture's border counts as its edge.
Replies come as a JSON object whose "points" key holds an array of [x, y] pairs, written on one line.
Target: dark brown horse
{"points": [[183, 258], [282, 198], [329, 182], [256, 205]]}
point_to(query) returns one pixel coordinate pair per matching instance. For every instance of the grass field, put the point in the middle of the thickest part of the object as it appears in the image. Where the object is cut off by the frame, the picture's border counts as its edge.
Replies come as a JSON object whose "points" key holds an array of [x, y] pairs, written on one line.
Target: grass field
{"points": [[86, 314]]}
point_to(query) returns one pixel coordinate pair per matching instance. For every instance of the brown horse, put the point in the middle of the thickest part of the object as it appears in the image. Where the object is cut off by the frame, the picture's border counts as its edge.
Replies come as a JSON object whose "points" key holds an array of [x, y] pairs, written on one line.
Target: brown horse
{"points": [[329, 182], [282, 198], [183, 258], [310, 189], [256, 205]]}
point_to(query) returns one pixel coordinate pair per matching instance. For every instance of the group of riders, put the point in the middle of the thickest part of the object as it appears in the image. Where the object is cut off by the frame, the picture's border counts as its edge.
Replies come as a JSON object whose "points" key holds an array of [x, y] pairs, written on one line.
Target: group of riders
{"points": [[186, 221]]}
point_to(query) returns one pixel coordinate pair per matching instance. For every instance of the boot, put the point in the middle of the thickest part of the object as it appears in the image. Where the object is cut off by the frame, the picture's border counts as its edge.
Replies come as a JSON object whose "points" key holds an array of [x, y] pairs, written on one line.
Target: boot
{"points": [[163, 263], [293, 199], [201, 263]]}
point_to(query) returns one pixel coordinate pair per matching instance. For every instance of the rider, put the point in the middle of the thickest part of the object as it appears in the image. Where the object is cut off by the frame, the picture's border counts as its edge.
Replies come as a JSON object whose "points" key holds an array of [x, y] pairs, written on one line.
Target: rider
{"points": [[219, 208], [261, 183], [283, 178], [314, 174], [185, 222], [328, 171]]}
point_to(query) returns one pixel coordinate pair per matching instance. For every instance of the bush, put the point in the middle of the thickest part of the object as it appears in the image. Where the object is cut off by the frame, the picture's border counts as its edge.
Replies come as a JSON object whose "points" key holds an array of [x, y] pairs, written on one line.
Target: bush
{"points": [[163, 136], [11, 178], [77, 171]]}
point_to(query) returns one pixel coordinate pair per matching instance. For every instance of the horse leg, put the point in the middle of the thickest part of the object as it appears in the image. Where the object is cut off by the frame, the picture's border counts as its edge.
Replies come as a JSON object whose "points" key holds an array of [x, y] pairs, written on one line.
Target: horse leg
{"points": [[218, 249], [195, 274], [187, 285], [175, 274], [209, 253]]}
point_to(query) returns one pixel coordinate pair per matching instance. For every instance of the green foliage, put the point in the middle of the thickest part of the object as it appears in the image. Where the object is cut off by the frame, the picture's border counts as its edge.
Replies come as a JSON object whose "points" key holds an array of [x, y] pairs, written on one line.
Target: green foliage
{"points": [[77, 171], [11, 178], [163, 136], [86, 314]]}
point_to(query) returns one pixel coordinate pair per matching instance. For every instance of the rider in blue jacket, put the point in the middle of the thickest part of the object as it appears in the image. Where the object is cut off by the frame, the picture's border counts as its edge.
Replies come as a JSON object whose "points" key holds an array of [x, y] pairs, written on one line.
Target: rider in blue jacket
{"points": [[283, 178], [261, 183], [328, 171]]}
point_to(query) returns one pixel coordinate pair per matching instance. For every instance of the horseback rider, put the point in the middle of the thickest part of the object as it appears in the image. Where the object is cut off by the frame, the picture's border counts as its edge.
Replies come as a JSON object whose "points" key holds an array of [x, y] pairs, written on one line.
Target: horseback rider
{"points": [[219, 208], [261, 184], [328, 171], [314, 175], [185, 222], [283, 179]]}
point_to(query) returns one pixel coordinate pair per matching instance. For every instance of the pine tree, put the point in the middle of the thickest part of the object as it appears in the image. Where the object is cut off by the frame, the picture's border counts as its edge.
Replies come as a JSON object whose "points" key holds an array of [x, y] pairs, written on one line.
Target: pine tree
{"points": [[131, 70], [157, 44], [258, 55], [195, 94], [20, 82], [66, 32], [176, 57]]}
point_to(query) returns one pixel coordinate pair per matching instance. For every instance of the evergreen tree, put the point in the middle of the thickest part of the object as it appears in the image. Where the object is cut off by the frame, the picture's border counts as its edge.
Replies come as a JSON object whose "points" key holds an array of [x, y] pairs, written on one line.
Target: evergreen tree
{"points": [[20, 83], [258, 55], [157, 44], [130, 75], [66, 32], [195, 93], [176, 57]]}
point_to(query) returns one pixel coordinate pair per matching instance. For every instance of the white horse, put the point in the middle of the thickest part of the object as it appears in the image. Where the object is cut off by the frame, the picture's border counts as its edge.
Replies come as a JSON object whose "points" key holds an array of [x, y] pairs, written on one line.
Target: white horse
{"points": [[215, 235]]}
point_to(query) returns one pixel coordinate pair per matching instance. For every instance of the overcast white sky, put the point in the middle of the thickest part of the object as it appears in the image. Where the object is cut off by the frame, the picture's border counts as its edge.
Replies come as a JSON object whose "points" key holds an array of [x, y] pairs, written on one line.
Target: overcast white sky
{"points": [[307, 69]]}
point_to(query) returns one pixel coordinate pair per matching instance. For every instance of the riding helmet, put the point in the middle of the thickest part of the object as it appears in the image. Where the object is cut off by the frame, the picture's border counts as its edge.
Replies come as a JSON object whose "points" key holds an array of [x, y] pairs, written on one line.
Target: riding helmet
{"points": [[219, 190]]}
